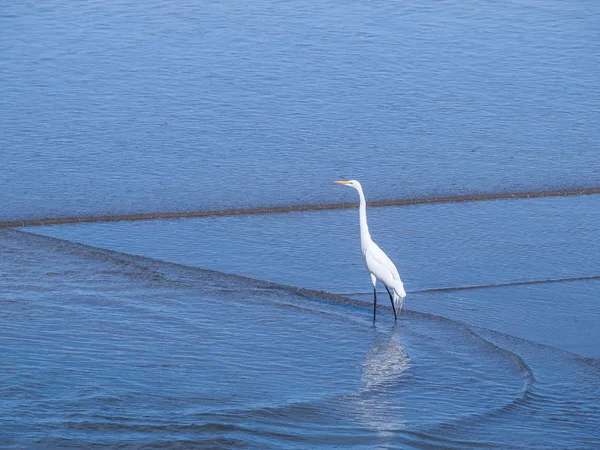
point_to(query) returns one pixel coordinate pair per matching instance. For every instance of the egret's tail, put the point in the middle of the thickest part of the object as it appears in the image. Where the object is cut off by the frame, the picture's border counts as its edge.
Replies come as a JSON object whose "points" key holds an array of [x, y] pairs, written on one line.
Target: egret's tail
{"points": [[398, 303], [399, 296]]}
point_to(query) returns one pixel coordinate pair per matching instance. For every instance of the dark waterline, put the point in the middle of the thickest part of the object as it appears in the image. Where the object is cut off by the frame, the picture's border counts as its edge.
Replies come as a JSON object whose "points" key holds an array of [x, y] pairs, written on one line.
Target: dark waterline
{"points": [[297, 208]]}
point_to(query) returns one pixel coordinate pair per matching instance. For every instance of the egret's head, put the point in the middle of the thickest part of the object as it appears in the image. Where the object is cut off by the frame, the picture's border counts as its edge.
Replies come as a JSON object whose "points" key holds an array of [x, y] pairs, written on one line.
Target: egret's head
{"points": [[352, 183]]}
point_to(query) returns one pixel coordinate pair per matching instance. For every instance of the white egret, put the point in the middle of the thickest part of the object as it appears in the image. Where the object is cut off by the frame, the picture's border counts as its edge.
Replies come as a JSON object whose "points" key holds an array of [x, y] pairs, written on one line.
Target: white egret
{"points": [[378, 264]]}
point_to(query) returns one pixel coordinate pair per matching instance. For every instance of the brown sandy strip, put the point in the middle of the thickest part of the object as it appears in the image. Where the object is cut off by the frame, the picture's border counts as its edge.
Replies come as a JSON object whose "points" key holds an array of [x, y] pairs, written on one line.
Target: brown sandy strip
{"points": [[514, 283], [296, 208]]}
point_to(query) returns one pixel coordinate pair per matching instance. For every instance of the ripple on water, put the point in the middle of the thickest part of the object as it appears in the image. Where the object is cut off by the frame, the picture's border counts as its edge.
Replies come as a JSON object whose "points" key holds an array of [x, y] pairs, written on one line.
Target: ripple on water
{"points": [[175, 356]]}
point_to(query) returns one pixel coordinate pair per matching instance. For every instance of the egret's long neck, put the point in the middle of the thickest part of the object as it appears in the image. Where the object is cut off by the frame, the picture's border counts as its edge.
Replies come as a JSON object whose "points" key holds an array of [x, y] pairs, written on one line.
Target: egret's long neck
{"points": [[365, 237]]}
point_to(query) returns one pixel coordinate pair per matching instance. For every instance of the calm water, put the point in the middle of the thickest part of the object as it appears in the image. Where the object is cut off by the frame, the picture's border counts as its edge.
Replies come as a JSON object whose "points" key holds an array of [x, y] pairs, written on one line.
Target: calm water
{"points": [[256, 331], [120, 107]]}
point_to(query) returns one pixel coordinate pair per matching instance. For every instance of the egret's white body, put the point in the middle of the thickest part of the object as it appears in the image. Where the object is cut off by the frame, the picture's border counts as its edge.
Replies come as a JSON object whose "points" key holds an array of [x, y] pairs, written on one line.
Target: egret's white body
{"points": [[379, 265]]}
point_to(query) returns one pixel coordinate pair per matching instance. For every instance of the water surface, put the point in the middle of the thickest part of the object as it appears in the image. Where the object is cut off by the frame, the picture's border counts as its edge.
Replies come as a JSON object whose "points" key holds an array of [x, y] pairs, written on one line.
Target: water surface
{"points": [[102, 348], [256, 331], [122, 107]]}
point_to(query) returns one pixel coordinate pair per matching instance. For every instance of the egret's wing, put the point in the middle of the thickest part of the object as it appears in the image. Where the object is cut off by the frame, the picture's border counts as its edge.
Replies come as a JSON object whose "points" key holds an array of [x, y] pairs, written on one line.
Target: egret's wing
{"points": [[380, 265]]}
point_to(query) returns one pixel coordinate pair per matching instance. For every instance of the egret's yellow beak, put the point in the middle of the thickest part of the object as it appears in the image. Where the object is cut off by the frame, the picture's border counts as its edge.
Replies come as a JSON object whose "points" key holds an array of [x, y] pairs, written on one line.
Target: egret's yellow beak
{"points": [[342, 182]]}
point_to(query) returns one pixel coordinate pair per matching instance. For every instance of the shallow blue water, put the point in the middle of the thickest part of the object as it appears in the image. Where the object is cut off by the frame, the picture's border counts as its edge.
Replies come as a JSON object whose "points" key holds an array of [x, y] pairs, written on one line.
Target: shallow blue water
{"points": [[256, 331], [104, 349], [508, 241], [433, 246]]}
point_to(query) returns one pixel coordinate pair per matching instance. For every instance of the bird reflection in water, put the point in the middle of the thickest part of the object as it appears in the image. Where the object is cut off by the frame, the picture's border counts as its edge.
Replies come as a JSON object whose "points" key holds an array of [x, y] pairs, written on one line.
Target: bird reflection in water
{"points": [[377, 405]]}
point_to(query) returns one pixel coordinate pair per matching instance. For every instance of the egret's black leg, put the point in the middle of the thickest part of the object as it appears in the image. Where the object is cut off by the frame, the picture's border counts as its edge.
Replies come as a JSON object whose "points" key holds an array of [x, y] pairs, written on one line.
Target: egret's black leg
{"points": [[374, 303], [392, 300]]}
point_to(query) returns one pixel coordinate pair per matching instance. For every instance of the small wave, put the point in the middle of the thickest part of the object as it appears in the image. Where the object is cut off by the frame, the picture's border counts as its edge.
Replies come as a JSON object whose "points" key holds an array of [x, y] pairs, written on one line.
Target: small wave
{"points": [[512, 283]]}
